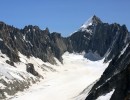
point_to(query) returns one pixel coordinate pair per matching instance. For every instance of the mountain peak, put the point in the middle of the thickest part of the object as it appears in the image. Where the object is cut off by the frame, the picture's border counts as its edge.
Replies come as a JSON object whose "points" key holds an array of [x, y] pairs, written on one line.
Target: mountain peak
{"points": [[94, 20]]}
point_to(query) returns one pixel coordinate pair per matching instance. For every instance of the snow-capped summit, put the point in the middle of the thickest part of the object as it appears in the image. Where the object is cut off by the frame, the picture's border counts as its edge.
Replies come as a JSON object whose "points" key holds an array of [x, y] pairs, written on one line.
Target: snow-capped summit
{"points": [[94, 20]]}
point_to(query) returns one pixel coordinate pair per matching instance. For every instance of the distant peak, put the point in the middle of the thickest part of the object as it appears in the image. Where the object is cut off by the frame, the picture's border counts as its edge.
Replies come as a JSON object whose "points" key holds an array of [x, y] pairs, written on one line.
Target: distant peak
{"points": [[94, 20]]}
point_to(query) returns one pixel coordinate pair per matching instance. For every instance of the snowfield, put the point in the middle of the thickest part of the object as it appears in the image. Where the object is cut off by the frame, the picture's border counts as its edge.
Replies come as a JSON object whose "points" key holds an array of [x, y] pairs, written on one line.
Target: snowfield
{"points": [[67, 80]]}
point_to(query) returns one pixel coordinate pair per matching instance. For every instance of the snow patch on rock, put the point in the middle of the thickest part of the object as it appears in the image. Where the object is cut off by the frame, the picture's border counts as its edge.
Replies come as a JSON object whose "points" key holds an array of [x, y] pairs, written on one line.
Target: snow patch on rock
{"points": [[107, 96]]}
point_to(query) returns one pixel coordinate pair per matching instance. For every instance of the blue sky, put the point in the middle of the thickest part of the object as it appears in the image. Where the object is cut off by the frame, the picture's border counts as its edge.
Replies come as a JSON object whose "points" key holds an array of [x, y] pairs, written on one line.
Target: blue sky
{"points": [[63, 16]]}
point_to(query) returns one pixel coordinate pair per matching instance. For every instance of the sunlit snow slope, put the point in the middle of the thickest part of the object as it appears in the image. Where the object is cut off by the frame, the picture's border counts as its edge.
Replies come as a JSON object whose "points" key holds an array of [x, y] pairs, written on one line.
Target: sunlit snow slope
{"points": [[67, 82]]}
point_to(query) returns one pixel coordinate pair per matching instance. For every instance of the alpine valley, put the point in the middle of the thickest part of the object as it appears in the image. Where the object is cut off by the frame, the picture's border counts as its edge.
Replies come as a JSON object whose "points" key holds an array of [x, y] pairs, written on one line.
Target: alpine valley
{"points": [[92, 63]]}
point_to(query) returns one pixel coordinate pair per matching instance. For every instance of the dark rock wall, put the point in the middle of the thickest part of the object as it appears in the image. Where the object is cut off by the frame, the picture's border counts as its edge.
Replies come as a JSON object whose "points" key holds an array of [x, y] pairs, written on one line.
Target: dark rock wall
{"points": [[31, 41], [106, 40], [116, 76]]}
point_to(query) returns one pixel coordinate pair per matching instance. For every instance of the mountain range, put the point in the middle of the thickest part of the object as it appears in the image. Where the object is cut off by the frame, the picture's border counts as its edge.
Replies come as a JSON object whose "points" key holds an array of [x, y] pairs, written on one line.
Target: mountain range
{"points": [[95, 39]]}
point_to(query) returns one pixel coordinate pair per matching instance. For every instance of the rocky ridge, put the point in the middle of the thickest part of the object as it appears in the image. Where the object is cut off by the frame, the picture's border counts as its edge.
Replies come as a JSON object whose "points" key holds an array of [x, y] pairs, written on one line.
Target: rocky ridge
{"points": [[94, 36]]}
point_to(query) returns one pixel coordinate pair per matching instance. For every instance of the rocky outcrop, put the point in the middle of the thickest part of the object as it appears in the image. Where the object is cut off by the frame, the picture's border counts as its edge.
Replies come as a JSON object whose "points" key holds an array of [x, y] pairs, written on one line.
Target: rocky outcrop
{"points": [[15, 85], [117, 77], [30, 68]]}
